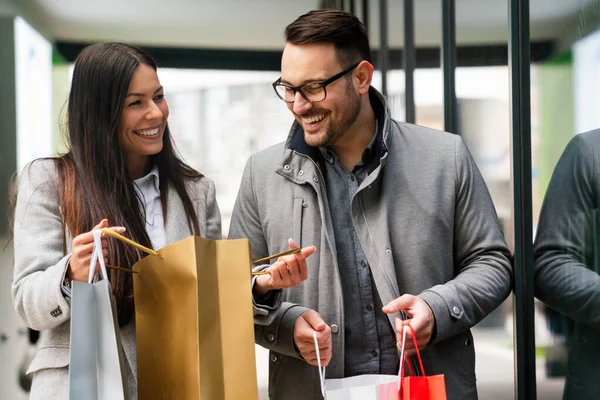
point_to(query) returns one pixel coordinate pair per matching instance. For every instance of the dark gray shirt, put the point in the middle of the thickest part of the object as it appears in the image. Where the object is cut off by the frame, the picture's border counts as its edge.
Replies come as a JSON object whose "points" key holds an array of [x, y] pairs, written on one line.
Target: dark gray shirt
{"points": [[370, 344]]}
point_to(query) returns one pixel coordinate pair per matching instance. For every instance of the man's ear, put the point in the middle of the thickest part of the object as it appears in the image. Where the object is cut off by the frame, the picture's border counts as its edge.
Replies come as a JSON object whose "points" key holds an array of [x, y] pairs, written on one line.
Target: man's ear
{"points": [[363, 75]]}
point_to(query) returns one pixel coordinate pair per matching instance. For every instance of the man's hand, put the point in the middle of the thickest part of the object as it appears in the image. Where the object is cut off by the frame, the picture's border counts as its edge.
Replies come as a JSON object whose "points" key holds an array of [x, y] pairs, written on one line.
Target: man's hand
{"points": [[287, 271], [304, 327], [421, 320]]}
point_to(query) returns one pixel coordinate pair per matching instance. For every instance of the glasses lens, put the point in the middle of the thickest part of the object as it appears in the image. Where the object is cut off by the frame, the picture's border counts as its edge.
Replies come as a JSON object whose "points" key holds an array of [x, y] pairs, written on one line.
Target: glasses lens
{"points": [[281, 91], [314, 91]]}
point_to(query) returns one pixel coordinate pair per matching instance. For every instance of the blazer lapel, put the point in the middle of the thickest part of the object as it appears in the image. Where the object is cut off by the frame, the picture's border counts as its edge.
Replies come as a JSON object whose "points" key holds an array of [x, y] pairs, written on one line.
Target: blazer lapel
{"points": [[177, 227]]}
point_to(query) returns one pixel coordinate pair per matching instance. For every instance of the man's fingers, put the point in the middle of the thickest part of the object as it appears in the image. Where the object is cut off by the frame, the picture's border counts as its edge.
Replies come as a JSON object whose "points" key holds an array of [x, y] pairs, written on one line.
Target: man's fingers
{"points": [[307, 251], [398, 304]]}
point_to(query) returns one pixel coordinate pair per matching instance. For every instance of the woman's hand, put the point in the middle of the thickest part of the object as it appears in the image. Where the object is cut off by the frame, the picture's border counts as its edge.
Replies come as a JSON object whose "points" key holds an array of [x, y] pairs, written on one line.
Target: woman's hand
{"points": [[81, 252], [287, 271]]}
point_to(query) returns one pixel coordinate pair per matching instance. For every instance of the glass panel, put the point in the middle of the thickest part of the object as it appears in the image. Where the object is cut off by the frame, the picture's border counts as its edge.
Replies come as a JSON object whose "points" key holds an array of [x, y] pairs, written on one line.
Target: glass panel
{"points": [[565, 217]]}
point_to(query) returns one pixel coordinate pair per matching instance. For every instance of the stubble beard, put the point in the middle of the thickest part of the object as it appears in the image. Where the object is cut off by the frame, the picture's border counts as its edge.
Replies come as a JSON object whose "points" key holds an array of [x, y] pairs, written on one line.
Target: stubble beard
{"points": [[337, 130]]}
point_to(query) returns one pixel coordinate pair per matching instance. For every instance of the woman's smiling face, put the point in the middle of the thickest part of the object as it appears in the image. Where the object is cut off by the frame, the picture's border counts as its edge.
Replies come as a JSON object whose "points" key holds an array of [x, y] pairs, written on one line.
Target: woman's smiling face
{"points": [[144, 117]]}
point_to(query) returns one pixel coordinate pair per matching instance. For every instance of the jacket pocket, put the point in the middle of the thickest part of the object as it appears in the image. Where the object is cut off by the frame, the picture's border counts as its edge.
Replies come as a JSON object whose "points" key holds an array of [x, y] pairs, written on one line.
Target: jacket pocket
{"points": [[49, 357], [299, 206]]}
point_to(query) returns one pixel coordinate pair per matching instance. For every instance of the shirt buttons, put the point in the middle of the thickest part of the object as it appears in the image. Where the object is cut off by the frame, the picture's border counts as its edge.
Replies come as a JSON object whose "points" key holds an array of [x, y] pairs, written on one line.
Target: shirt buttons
{"points": [[374, 353], [363, 264], [352, 178], [273, 357], [335, 328], [369, 308]]}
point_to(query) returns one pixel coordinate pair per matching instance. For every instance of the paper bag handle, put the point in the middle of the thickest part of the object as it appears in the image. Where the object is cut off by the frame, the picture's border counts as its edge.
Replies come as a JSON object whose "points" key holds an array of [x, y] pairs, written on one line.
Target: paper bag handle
{"points": [[145, 249], [97, 256], [321, 369], [406, 325]]}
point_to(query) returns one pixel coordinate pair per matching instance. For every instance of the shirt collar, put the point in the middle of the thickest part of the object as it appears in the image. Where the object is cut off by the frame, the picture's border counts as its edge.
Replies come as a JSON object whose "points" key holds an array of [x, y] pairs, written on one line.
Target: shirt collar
{"points": [[152, 176]]}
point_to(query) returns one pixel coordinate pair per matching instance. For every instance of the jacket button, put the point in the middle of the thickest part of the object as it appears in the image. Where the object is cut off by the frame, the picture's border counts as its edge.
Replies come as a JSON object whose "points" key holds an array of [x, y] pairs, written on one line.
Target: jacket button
{"points": [[315, 179], [270, 337], [301, 173], [467, 342], [273, 357], [456, 310], [335, 328], [286, 167]]}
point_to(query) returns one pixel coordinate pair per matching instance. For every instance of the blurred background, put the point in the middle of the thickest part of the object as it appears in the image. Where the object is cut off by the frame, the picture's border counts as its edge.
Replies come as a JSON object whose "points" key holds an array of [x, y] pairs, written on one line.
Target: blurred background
{"points": [[218, 59]]}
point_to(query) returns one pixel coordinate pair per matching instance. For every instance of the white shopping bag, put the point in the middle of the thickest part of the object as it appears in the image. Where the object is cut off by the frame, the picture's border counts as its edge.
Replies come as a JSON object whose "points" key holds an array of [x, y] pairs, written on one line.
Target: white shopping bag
{"points": [[361, 387]]}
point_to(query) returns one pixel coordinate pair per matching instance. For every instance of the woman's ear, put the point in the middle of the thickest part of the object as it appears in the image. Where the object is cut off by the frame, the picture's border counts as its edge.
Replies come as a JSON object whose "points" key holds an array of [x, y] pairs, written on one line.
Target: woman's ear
{"points": [[363, 74]]}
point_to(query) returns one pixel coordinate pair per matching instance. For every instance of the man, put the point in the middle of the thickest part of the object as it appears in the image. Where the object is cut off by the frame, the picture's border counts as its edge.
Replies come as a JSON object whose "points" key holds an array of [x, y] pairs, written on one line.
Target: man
{"points": [[399, 214], [567, 261]]}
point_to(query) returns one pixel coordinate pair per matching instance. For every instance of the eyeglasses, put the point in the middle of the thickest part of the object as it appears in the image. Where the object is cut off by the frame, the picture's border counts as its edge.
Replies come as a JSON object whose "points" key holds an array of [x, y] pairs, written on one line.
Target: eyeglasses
{"points": [[312, 91]]}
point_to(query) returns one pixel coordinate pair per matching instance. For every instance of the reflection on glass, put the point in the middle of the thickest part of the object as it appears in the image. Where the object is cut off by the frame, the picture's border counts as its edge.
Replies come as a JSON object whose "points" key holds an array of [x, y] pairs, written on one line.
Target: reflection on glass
{"points": [[567, 262]]}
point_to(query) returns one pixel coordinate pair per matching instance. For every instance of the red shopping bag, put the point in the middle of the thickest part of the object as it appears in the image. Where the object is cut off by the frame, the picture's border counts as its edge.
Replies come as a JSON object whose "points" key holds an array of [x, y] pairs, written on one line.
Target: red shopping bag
{"points": [[418, 387]]}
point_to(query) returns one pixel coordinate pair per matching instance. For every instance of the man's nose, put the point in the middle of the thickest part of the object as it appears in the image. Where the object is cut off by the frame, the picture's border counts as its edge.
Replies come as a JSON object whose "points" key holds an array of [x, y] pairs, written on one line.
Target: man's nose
{"points": [[300, 105]]}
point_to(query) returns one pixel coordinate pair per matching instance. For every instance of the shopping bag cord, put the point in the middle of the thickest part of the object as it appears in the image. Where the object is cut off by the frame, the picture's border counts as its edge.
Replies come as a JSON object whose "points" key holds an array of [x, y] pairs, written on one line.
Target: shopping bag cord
{"points": [[321, 369], [114, 234]]}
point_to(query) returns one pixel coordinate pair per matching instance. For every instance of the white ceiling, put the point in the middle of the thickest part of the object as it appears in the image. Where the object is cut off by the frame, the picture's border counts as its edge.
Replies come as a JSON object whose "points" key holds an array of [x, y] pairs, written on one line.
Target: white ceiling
{"points": [[259, 24]]}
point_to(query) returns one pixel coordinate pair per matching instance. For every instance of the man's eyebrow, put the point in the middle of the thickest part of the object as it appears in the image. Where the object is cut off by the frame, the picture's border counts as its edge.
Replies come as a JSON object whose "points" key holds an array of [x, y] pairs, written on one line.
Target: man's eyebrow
{"points": [[304, 82]]}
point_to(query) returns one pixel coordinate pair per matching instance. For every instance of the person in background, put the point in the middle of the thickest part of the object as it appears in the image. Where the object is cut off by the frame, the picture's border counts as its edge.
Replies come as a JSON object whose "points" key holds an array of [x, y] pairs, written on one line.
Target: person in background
{"points": [[567, 260], [402, 219]]}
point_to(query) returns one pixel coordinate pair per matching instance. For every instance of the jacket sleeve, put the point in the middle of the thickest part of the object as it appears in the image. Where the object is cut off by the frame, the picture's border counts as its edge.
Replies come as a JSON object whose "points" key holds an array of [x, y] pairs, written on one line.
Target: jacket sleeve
{"points": [[39, 262], [481, 257], [565, 251], [273, 325]]}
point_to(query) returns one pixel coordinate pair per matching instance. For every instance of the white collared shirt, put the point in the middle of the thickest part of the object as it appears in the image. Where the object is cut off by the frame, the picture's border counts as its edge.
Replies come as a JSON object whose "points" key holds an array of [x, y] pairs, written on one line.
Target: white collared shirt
{"points": [[147, 188]]}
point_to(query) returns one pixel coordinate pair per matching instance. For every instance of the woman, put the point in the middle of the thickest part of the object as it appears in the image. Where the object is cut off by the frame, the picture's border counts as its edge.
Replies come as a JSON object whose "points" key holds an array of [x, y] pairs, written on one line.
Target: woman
{"points": [[121, 171]]}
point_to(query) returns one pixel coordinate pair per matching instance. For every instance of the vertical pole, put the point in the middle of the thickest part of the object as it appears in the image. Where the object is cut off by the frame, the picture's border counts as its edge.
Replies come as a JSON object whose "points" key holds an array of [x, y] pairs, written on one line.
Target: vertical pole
{"points": [[449, 64], [523, 312], [409, 61], [383, 44], [365, 13]]}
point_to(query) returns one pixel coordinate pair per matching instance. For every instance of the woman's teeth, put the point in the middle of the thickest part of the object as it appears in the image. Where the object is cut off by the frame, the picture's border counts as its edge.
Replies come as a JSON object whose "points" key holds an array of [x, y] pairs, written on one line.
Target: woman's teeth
{"points": [[148, 132]]}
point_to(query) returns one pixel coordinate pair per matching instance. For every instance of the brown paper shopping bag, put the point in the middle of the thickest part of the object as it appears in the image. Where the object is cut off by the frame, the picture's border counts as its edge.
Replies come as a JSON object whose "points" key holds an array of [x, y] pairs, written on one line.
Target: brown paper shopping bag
{"points": [[194, 322]]}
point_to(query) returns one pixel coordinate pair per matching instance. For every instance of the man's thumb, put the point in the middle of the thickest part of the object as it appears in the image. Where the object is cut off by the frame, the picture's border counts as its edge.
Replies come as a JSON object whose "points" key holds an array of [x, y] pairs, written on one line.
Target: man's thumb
{"points": [[314, 320]]}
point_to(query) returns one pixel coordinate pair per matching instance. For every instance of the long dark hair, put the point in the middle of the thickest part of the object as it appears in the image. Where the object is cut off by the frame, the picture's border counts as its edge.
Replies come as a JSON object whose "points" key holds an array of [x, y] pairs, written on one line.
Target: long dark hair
{"points": [[94, 180]]}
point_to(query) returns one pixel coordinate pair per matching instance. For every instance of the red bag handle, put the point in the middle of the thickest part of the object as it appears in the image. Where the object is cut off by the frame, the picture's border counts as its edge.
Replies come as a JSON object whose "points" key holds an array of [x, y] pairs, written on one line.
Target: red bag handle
{"points": [[403, 358]]}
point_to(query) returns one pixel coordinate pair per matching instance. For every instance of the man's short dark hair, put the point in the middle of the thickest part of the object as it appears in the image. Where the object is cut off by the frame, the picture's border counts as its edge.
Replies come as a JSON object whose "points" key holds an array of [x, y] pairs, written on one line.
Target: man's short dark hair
{"points": [[342, 29]]}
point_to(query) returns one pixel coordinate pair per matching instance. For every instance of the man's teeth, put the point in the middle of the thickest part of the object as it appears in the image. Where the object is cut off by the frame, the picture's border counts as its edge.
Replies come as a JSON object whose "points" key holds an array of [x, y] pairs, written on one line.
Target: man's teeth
{"points": [[312, 120], [148, 132]]}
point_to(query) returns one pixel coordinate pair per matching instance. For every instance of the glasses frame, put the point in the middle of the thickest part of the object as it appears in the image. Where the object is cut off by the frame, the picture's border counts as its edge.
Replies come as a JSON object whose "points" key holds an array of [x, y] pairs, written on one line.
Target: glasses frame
{"points": [[322, 84]]}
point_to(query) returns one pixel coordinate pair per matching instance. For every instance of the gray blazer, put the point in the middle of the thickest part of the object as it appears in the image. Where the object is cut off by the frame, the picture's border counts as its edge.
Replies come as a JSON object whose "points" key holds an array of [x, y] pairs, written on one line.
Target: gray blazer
{"points": [[567, 258], [40, 265], [427, 225]]}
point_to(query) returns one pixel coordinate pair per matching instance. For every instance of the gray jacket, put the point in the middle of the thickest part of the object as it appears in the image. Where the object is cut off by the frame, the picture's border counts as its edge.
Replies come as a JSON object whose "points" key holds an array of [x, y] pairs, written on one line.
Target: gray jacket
{"points": [[567, 258], [40, 265], [426, 223]]}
